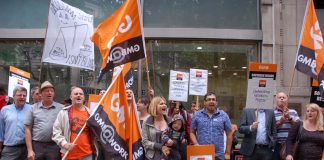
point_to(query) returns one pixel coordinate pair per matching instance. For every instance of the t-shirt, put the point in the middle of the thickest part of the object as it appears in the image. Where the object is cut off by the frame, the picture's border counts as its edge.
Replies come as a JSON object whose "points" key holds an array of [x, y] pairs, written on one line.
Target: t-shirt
{"points": [[2, 101], [83, 144]]}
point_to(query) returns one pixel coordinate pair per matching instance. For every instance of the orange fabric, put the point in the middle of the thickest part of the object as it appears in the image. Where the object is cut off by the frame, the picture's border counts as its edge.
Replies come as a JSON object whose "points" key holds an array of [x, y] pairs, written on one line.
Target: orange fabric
{"points": [[83, 144], [134, 131], [312, 36], [124, 68], [117, 29], [115, 105]]}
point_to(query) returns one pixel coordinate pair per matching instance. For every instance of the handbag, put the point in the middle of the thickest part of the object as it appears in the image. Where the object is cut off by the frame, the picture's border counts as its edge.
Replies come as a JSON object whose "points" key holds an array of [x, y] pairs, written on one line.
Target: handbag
{"points": [[283, 153]]}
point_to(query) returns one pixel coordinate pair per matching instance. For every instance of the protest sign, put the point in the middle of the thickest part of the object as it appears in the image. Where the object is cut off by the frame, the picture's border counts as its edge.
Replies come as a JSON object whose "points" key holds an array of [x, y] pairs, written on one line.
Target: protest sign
{"points": [[198, 152], [198, 82], [261, 85], [18, 77], [178, 88], [68, 34]]}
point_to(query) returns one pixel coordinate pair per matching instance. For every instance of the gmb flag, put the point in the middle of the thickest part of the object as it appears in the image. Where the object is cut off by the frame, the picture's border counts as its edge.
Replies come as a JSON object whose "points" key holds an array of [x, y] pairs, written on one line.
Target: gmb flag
{"points": [[310, 53], [109, 120], [135, 147], [128, 73], [120, 38], [116, 124]]}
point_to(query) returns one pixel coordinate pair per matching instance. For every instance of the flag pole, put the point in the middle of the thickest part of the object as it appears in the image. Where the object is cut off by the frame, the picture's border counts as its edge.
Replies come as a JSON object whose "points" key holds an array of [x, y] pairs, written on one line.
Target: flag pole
{"points": [[291, 82], [147, 74], [197, 101], [143, 39], [40, 72], [41, 67], [85, 124], [300, 39]]}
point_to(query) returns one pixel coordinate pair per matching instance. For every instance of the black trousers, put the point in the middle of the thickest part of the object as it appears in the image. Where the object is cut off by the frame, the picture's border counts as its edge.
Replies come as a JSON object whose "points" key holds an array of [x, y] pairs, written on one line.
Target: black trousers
{"points": [[260, 152], [46, 150]]}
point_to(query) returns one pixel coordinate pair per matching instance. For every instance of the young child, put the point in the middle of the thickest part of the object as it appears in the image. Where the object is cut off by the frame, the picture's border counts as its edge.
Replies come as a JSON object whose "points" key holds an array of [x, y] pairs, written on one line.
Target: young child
{"points": [[174, 137]]}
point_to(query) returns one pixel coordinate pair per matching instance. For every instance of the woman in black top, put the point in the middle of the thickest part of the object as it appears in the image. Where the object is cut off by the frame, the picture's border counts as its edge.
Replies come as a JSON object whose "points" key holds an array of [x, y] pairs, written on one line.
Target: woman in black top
{"points": [[311, 139]]}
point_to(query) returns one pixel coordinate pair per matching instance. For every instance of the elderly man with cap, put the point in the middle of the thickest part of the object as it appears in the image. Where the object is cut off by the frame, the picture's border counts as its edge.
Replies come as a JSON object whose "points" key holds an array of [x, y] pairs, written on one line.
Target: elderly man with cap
{"points": [[39, 126], [12, 131]]}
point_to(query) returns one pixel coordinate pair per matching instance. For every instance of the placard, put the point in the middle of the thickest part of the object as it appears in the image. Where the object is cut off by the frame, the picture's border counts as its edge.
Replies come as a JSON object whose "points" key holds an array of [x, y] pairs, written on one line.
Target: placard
{"points": [[178, 88], [261, 85], [199, 152], [316, 95], [93, 101], [198, 82], [67, 40], [18, 77]]}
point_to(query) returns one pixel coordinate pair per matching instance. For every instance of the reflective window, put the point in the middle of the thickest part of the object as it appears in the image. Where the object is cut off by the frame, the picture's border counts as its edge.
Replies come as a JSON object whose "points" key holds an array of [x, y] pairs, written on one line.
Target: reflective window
{"points": [[26, 55], [26, 14], [226, 62], [229, 14]]}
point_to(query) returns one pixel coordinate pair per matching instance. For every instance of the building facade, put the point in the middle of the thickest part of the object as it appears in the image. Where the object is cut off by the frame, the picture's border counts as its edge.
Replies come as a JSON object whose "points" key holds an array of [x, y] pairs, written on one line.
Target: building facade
{"points": [[222, 36]]}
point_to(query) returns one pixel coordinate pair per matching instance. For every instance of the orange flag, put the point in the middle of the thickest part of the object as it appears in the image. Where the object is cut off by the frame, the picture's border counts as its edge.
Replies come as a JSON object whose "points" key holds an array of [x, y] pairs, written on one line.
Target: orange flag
{"points": [[115, 122], [120, 37], [135, 147], [109, 120], [310, 53]]}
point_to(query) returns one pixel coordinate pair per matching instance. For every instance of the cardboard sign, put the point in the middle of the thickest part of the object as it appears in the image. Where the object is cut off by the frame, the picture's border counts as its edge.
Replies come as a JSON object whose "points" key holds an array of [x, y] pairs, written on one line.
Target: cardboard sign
{"points": [[201, 152], [67, 40], [261, 85], [178, 88], [18, 77], [93, 101], [198, 82]]}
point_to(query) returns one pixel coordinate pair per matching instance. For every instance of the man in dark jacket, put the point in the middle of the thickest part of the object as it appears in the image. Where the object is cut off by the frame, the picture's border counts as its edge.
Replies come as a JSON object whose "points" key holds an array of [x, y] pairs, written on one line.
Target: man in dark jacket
{"points": [[259, 129]]}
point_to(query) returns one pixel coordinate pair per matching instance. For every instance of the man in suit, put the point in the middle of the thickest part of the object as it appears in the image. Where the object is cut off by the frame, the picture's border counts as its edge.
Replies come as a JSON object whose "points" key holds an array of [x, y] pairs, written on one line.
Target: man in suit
{"points": [[259, 129]]}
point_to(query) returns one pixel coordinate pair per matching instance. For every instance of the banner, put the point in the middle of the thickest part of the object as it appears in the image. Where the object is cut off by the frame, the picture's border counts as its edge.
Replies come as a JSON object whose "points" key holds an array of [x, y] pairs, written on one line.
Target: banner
{"points": [[201, 152], [261, 86], [120, 37], [67, 40], [316, 95], [135, 140], [198, 82], [310, 53], [178, 87], [108, 121], [129, 75], [93, 101], [18, 77], [118, 131]]}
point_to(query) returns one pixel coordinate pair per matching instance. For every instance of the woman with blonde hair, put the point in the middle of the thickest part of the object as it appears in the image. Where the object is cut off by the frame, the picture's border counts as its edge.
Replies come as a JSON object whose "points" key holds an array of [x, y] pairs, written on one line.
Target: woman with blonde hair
{"points": [[308, 134], [153, 128]]}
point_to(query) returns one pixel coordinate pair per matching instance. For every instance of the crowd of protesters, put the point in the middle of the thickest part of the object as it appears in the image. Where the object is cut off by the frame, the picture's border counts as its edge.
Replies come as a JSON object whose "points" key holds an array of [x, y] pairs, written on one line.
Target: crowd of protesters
{"points": [[47, 129]]}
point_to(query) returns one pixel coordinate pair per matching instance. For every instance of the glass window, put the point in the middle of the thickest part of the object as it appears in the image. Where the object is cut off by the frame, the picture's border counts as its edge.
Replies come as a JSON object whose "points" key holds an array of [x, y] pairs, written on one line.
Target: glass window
{"points": [[25, 14], [230, 14], [226, 62], [26, 55]]}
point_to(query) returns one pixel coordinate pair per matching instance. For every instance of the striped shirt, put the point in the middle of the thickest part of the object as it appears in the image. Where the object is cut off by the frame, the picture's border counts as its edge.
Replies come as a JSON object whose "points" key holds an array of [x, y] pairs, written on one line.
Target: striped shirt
{"points": [[282, 130]]}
